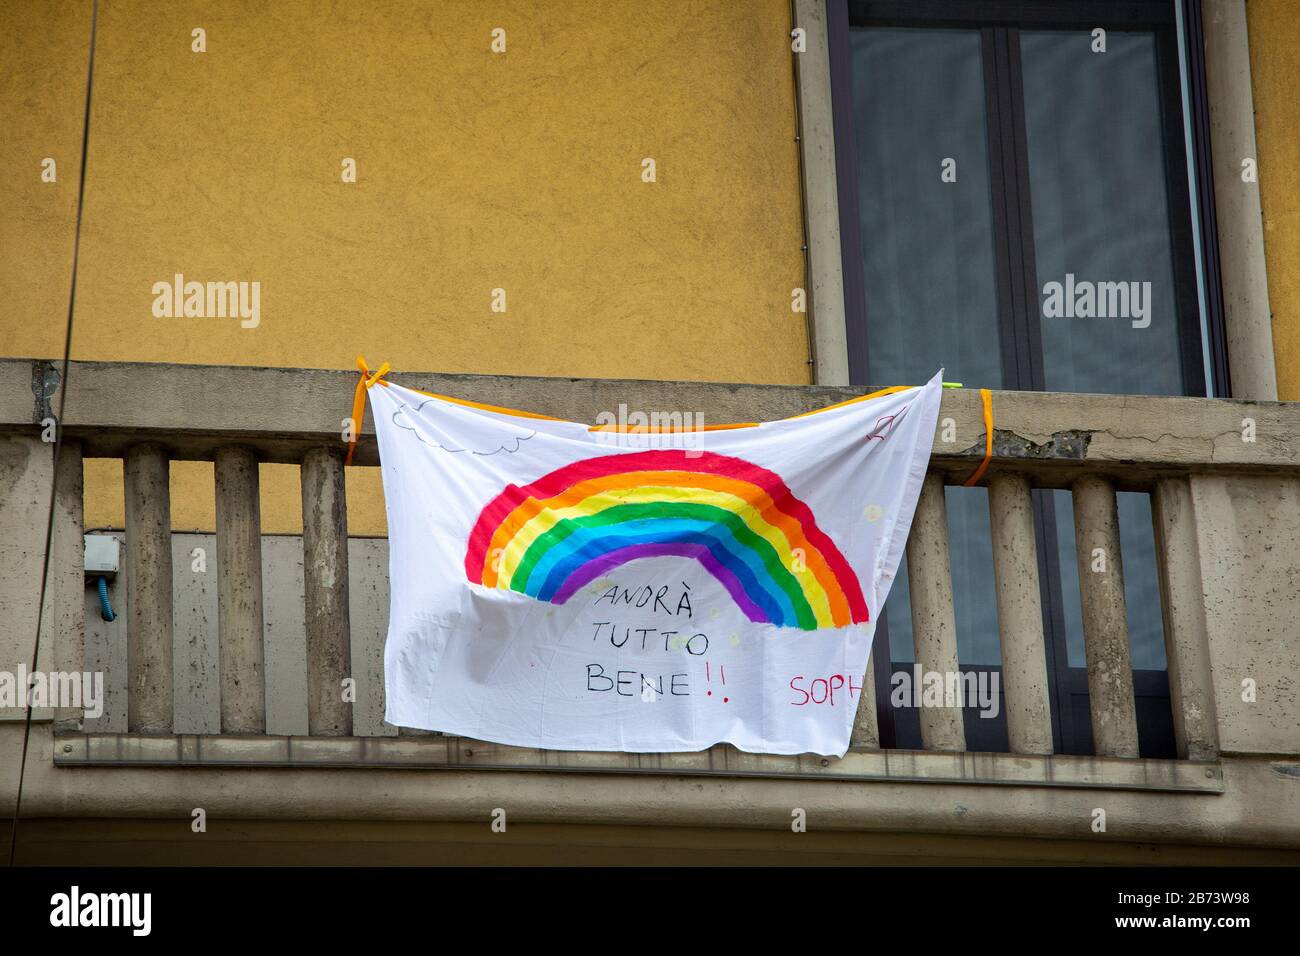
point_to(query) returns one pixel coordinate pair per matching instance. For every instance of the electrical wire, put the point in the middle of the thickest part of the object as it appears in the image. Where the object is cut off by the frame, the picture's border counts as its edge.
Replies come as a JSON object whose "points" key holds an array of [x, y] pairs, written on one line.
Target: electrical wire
{"points": [[105, 606], [58, 431]]}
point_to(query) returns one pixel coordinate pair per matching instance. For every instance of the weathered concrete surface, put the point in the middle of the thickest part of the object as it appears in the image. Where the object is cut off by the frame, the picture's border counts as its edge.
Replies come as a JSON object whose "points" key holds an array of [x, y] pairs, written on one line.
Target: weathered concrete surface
{"points": [[18, 395], [1182, 605], [325, 570], [26, 474], [821, 197], [1020, 615], [1105, 619], [934, 624], [1236, 203], [195, 656], [194, 603], [866, 724], [149, 590], [1259, 804], [197, 698], [1248, 539], [239, 593], [106, 652], [368, 610], [442, 752], [63, 621], [284, 412], [1245, 504], [284, 635]]}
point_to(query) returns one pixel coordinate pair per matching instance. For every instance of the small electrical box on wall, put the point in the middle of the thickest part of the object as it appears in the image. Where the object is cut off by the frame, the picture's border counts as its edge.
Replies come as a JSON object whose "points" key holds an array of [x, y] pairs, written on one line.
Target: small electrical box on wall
{"points": [[103, 558], [103, 553]]}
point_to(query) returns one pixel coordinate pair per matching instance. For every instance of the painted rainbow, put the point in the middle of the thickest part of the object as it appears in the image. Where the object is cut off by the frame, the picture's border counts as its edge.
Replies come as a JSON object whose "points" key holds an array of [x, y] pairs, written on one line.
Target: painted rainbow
{"points": [[556, 535]]}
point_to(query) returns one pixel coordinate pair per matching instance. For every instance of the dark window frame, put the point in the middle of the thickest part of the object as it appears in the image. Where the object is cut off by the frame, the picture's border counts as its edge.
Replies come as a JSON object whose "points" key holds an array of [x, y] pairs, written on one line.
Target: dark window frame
{"points": [[999, 22]]}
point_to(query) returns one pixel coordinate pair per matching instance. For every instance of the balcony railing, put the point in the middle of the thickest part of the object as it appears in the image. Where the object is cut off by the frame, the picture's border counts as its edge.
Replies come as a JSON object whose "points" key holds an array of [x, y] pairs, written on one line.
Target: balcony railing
{"points": [[1093, 446]]}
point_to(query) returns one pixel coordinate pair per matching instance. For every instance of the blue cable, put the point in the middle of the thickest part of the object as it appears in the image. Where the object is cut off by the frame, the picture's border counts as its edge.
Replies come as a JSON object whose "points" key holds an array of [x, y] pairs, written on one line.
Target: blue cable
{"points": [[105, 609]]}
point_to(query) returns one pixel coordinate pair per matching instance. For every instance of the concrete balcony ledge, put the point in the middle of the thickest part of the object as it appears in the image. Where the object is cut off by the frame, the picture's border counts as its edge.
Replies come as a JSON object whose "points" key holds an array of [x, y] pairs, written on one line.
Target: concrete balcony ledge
{"points": [[456, 753], [1247, 802], [281, 412], [1224, 481]]}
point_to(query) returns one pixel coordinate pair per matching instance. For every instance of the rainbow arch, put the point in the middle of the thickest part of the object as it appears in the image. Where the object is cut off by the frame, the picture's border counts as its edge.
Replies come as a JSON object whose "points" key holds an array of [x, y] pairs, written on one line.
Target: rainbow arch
{"points": [[550, 538]]}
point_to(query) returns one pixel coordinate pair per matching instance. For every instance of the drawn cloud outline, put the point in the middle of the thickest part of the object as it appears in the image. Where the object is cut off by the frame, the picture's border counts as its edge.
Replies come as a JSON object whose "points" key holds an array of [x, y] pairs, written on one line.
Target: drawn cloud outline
{"points": [[521, 434]]}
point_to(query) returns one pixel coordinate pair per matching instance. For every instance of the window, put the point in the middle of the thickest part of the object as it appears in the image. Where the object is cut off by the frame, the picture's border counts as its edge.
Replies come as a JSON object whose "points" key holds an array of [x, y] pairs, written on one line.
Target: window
{"points": [[1018, 205]]}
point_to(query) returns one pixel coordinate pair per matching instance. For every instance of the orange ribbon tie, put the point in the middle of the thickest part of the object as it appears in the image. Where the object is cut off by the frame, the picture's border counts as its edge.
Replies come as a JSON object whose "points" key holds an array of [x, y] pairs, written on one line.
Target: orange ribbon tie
{"points": [[987, 398], [359, 400]]}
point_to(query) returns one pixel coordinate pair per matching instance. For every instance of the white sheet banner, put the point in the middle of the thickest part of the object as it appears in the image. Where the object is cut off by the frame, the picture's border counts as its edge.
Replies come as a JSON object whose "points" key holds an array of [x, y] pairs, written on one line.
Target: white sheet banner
{"points": [[559, 586]]}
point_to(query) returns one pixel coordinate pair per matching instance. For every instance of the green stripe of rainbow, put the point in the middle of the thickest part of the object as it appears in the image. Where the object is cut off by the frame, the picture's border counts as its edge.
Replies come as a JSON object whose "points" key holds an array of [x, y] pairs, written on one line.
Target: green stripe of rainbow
{"points": [[740, 521]]}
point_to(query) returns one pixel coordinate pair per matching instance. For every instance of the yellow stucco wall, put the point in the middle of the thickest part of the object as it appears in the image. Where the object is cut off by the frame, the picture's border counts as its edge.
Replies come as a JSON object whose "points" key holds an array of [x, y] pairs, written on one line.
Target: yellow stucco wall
{"points": [[1274, 27], [42, 91], [476, 171]]}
